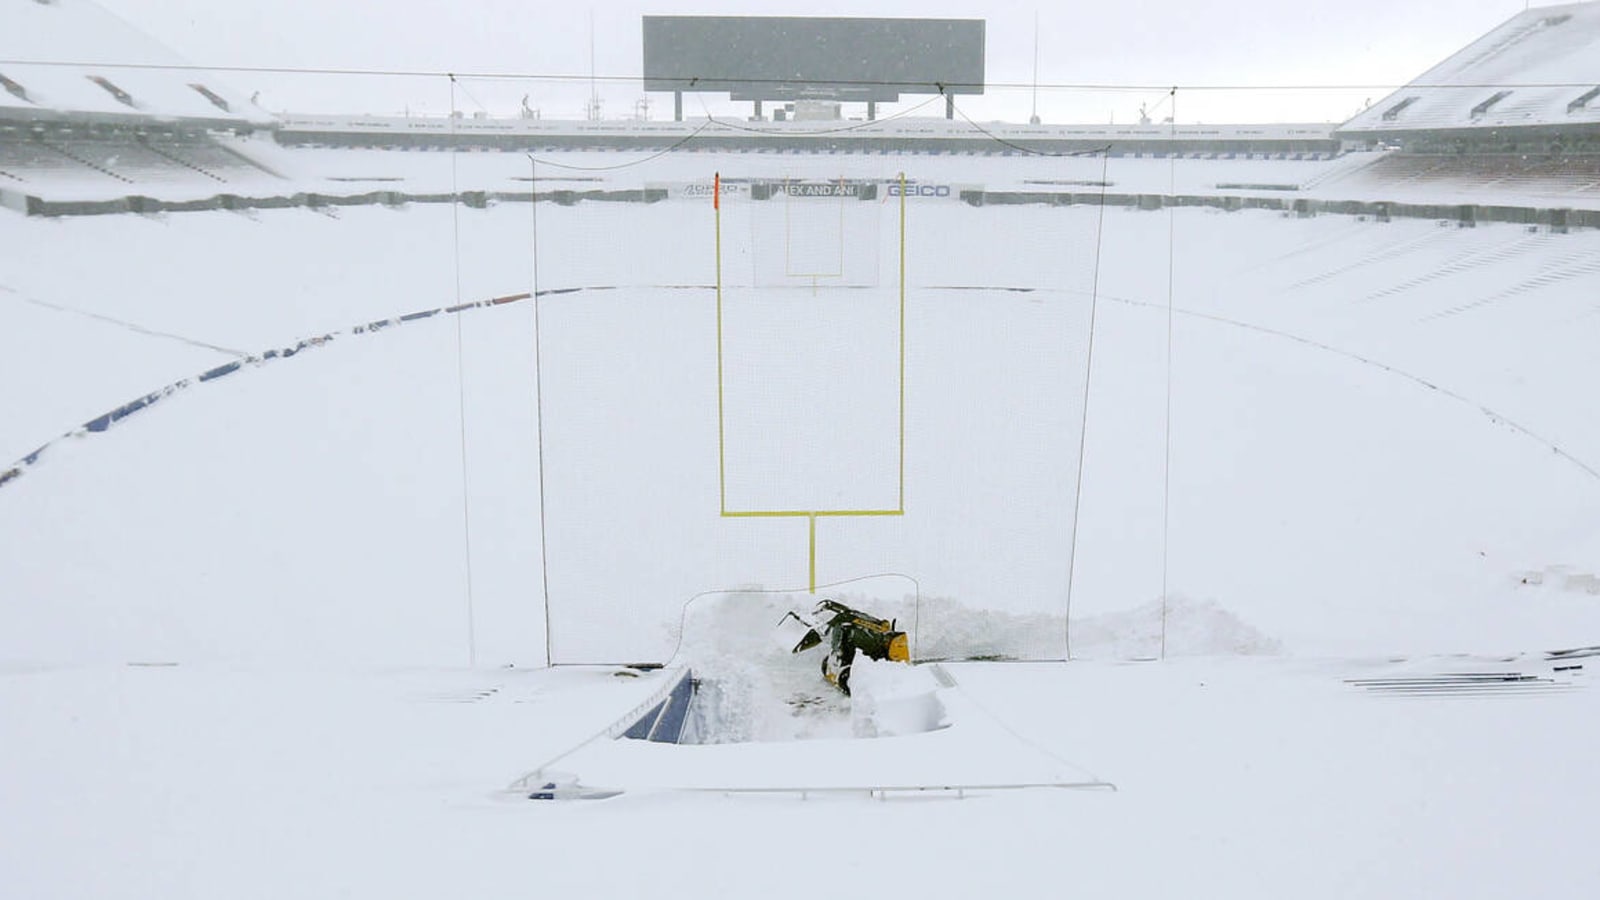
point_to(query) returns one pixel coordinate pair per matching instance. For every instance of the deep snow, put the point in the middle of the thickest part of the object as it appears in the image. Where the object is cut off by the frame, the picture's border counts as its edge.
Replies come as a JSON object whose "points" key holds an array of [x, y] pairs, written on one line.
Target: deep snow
{"points": [[235, 629], [1374, 435]]}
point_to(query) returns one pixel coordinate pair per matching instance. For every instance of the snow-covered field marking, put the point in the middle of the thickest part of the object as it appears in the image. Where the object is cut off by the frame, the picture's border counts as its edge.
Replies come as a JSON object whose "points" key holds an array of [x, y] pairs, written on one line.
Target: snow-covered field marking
{"points": [[968, 749], [812, 265], [105, 421], [884, 791], [1493, 416], [539, 779]]}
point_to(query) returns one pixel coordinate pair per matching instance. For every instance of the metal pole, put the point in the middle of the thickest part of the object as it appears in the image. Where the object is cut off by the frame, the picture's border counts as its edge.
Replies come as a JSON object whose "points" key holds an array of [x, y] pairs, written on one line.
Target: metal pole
{"points": [[538, 407]]}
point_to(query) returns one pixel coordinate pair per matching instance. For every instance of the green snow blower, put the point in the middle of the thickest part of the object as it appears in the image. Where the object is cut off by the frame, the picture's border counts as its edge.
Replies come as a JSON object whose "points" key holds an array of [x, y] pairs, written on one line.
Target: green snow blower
{"points": [[848, 632]]}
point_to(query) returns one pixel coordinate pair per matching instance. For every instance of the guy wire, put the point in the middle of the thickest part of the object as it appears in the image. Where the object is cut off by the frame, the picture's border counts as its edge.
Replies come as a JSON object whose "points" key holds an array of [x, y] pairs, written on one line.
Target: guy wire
{"points": [[1166, 467], [538, 407]]}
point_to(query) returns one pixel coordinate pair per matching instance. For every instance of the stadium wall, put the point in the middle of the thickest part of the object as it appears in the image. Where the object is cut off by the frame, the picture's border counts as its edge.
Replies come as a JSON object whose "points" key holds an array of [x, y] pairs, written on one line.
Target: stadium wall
{"points": [[1462, 214], [905, 135]]}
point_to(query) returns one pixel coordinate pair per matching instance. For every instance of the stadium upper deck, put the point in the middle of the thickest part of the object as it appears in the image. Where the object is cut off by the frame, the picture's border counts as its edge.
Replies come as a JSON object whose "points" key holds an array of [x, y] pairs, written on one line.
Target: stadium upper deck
{"points": [[77, 135], [62, 48], [1537, 75]]}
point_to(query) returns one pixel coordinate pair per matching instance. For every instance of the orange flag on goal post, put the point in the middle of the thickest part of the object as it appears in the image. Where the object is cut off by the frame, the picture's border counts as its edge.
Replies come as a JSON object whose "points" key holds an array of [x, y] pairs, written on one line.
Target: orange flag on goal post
{"points": [[716, 191]]}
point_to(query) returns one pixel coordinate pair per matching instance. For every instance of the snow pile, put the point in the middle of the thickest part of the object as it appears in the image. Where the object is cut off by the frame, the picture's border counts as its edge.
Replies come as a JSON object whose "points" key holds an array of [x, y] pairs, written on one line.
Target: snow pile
{"points": [[753, 688], [945, 628], [1193, 628], [889, 699]]}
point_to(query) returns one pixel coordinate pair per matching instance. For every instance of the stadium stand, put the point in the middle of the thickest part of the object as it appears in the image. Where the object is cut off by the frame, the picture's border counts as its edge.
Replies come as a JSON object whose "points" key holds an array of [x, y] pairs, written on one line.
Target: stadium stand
{"points": [[1513, 119], [1533, 78], [1513, 112], [1573, 174], [126, 121]]}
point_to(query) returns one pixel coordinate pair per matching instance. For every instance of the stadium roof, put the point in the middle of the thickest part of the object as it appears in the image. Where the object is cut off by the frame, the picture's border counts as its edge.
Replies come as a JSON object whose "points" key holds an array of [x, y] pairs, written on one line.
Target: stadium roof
{"points": [[71, 59], [1541, 68]]}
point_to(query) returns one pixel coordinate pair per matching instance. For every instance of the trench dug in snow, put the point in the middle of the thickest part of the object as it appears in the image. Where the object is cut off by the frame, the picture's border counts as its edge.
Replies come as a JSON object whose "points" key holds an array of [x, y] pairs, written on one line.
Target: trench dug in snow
{"points": [[744, 684]]}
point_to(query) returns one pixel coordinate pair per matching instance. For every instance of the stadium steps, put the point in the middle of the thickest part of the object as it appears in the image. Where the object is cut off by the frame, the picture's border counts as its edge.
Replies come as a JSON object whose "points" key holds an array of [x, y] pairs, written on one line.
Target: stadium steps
{"points": [[1388, 254], [130, 157], [1460, 263], [1563, 174], [29, 159], [1555, 272], [178, 160], [1435, 277], [84, 161], [229, 157], [1339, 168]]}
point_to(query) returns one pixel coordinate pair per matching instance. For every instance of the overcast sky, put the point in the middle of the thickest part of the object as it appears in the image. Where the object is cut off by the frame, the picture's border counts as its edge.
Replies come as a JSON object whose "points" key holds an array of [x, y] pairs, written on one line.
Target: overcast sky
{"points": [[1263, 43]]}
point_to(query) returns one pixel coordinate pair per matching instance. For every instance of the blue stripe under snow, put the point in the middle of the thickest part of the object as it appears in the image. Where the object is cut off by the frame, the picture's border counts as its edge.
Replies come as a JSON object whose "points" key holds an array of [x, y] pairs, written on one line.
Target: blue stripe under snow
{"points": [[669, 728], [665, 721]]}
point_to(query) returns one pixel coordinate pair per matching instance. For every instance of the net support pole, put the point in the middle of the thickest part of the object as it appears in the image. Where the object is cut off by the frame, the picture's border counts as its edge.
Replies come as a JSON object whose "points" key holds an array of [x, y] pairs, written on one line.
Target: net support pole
{"points": [[722, 448], [900, 505]]}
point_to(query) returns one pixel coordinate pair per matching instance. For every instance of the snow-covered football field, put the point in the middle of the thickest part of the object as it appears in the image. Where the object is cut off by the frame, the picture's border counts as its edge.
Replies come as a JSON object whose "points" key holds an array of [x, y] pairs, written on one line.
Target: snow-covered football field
{"points": [[284, 631]]}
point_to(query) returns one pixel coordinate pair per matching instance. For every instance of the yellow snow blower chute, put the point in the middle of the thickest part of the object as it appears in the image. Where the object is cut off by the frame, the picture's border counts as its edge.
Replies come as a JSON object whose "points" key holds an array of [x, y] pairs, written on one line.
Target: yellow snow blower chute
{"points": [[848, 632]]}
